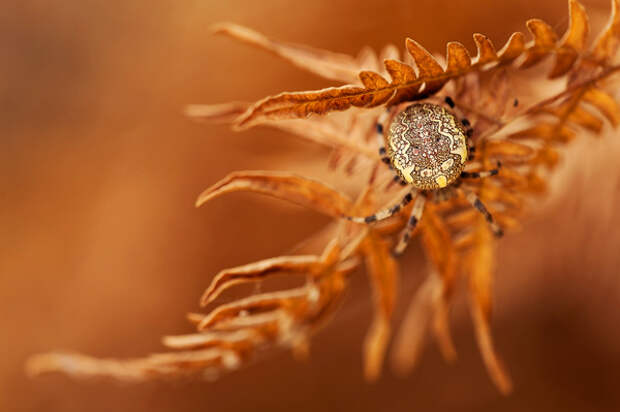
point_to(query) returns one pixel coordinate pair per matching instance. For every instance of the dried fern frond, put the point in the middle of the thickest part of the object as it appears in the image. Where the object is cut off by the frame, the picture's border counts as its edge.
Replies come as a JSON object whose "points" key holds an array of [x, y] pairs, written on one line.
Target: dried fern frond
{"points": [[457, 241], [406, 84]]}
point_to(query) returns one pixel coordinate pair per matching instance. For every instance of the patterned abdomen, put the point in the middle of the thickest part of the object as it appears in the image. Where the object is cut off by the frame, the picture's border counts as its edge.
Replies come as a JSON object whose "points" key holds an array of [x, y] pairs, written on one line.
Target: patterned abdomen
{"points": [[427, 146]]}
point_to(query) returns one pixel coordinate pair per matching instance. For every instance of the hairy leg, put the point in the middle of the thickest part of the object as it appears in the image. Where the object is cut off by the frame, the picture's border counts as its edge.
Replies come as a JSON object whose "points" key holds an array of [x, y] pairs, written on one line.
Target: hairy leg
{"points": [[483, 174], [384, 213], [414, 218], [479, 206]]}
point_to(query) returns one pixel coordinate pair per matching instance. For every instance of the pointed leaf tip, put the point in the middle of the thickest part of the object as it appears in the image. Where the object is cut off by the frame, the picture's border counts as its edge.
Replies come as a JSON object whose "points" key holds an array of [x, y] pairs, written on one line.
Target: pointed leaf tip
{"points": [[429, 68], [383, 273], [574, 40], [513, 48], [258, 271], [486, 50], [458, 58], [285, 186], [606, 45], [545, 41]]}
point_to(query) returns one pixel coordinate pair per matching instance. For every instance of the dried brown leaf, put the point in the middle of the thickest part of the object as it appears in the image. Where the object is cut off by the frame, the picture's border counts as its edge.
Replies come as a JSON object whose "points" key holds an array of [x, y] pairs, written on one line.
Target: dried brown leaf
{"points": [[239, 340], [309, 265], [441, 326], [585, 119], [458, 58], [606, 45], [513, 48], [374, 81], [330, 65], [326, 132], [267, 323], [293, 188], [545, 41], [480, 260], [217, 113], [411, 336], [606, 104], [257, 271], [139, 369], [303, 104], [383, 273], [260, 303], [574, 39], [428, 68], [401, 73], [545, 131], [405, 86], [574, 113], [507, 150], [438, 244], [486, 50]]}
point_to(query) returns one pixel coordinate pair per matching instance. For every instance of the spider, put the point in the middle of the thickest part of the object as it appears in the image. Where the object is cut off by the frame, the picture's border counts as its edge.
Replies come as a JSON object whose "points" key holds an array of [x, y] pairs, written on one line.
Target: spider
{"points": [[428, 147]]}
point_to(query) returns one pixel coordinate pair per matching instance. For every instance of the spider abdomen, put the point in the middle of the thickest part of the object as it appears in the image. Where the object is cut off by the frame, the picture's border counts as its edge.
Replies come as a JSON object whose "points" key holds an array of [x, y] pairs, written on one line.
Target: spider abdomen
{"points": [[427, 146]]}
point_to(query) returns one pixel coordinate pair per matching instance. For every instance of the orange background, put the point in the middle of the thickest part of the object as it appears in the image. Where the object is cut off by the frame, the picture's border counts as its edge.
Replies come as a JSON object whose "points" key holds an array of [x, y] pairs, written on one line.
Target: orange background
{"points": [[102, 251]]}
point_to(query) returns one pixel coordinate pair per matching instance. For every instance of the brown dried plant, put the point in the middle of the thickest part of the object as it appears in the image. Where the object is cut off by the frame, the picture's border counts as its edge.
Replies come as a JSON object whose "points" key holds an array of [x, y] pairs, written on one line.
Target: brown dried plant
{"points": [[525, 137]]}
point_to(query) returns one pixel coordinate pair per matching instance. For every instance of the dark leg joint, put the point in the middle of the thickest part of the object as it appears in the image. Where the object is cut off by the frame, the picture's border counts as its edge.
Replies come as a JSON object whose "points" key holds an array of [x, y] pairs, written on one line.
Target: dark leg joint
{"points": [[470, 175], [370, 219], [466, 122], [382, 151], [379, 128], [449, 102], [497, 231], [398, 179], [480, 206]]}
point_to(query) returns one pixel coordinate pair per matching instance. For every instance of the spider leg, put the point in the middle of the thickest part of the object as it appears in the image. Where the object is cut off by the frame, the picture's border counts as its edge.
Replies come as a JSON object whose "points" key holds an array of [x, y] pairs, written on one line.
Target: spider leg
{"points": [[399, 180], [395, 179], [483, 174], [478, 205], [384, 213], [471, 147], [446, 193], [414, 218], [380, 128]]}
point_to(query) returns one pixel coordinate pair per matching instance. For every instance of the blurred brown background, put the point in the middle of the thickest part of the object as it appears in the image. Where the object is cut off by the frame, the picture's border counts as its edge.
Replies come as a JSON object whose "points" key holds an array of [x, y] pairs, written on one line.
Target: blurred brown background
{"points": [[102, 251]]}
